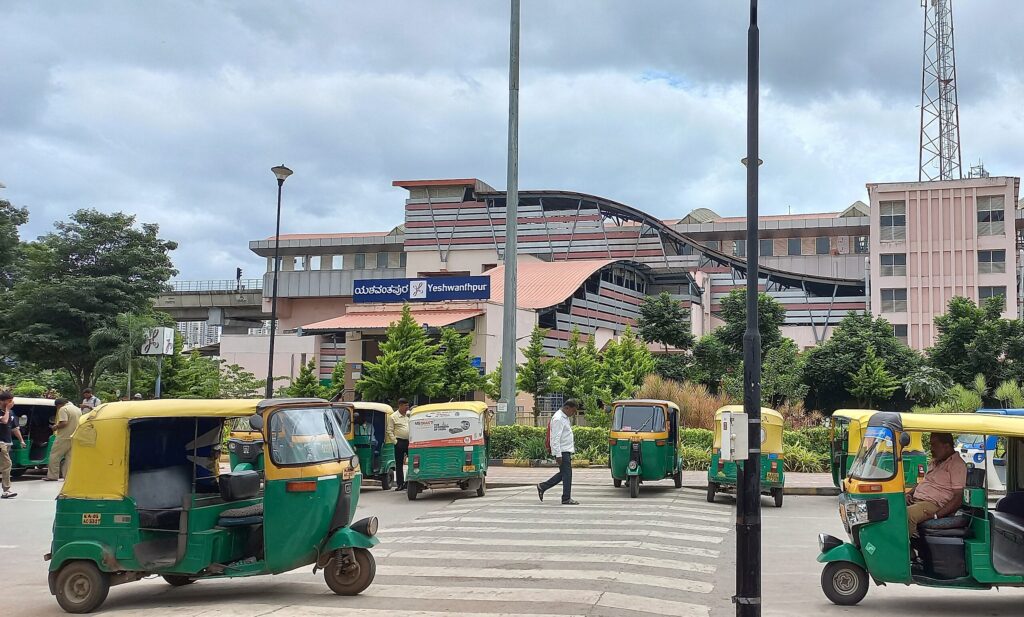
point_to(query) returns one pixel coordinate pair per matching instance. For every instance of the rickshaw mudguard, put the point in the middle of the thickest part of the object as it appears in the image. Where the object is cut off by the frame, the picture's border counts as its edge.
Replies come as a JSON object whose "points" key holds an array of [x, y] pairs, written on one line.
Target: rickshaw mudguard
{"points": [[349, 538], [844, 552], [87, 550]]}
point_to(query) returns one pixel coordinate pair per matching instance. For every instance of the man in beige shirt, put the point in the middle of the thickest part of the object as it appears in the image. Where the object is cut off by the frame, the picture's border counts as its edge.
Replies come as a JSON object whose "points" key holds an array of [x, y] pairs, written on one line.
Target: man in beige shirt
{"points": [[398, 428], [60, 451], [941, 491]]}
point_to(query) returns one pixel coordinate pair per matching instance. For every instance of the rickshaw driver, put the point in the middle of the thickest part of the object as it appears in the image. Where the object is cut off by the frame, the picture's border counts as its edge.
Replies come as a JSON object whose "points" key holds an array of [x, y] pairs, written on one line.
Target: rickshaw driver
{"points": [[941, 491]]}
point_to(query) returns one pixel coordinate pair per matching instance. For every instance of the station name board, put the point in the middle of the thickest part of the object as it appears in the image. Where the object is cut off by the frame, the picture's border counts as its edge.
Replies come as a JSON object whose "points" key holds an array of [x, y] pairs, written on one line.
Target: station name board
{"points": [[422, 290]]}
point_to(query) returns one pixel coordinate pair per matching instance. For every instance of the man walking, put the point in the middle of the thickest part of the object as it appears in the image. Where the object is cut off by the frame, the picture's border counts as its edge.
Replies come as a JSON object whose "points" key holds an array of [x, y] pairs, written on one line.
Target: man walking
{"points": [[89, 401], [60, 451], [6, 443], [400, 431], [563, 446]]}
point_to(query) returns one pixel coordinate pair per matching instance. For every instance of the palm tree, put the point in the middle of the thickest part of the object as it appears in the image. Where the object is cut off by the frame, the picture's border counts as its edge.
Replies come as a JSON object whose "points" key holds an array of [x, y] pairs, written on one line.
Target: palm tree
{"points": [[124, 339]]}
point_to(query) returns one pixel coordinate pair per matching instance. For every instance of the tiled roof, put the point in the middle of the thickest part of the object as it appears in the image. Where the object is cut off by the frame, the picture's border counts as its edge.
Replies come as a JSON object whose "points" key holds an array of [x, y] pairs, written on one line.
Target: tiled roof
{"points": [[543, 284], [379, 320]]}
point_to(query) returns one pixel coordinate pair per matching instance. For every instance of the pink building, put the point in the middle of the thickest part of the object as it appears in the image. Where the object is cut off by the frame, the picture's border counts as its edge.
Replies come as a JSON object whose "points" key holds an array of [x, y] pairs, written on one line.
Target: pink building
{"points": [[932, 241]]}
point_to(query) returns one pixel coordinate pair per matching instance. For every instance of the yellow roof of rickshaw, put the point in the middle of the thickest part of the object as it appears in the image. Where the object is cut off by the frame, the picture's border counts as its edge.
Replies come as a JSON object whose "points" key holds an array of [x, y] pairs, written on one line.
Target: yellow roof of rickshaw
{"points": [[477, 407], [182, 407], [768, 415], [27, 400], [854, 414], [646, 401], [381, 407], [959, 423]]}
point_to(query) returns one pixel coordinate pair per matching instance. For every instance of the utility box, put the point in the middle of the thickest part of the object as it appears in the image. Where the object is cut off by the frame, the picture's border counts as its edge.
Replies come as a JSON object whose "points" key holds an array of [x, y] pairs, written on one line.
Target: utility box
{"points": [[734, 436]]}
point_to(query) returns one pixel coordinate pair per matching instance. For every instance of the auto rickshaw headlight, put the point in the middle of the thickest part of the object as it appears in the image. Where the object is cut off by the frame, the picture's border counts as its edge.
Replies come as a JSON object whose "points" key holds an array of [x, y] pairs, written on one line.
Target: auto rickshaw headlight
{"points": [[827, 542], [366, 526], [232, 446], [866, 511], [632, 465]]}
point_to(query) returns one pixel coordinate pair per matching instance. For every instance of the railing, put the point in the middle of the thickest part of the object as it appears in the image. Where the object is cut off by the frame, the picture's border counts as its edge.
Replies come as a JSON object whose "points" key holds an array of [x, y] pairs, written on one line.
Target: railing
{"points": [[213, 285]]}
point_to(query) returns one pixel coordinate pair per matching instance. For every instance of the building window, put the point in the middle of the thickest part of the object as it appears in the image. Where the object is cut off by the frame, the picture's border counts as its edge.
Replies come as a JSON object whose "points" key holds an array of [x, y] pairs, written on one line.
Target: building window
{"points": [[990, 262], [712, 244], [739, 248], [360, 261], [984, 293], [893, 220], [382, 260], [991, 216], [900, 332], [894, 300], [299, 263], [861, 246], [402, 260], [821, 246], [894, 264], [766, 248], [793, 246], [314, 262], [337, 262]]}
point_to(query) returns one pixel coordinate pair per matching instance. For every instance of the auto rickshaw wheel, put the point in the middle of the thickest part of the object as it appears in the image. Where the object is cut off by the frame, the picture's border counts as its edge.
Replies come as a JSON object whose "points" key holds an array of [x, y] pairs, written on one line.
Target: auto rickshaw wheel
{"points": [[482, 489], [412, 489], [844, 583], [634, 486], [175, 580], [617, 482], [386, 479], [354, 578], [81, 587], [777, 496], [17, 473], [677, 478], [712, 489]]}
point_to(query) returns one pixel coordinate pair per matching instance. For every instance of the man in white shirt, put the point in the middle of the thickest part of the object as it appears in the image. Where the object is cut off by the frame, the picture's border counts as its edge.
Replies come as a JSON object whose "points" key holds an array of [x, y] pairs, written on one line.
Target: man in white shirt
{"points": [[89, 401], [562, 446]]}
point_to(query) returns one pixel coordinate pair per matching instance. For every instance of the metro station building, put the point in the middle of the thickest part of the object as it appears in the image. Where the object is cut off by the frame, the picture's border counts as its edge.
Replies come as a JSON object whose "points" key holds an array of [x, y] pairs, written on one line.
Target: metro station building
{"points": [[587, 262]]}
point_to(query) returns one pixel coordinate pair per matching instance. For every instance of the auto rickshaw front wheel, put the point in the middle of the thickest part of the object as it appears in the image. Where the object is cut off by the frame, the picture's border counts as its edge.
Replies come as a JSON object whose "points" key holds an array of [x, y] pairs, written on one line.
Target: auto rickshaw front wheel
{"points": [[777, 496], [844, 583], [712, 489], [634, 486], [175, 580], [354, 578], [387, 479], [81, 587]]}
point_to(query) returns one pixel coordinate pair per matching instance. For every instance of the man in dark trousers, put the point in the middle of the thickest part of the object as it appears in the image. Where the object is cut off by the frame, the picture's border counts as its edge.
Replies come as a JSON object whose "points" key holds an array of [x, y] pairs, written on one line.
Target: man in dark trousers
{"points": [[400, 429], [562, 446]]}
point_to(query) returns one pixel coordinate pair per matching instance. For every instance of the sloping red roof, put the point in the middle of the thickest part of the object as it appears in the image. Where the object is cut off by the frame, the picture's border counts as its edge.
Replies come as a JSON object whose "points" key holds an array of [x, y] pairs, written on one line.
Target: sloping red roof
{"points": [[358, 234], [540, 284], [379, 320], [441, 182]]}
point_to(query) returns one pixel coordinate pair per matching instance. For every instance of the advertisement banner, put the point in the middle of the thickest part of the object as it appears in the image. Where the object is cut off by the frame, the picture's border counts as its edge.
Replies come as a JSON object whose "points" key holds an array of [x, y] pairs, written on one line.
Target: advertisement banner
{"points": [[158, 342], [422, 290], [450, 429]]}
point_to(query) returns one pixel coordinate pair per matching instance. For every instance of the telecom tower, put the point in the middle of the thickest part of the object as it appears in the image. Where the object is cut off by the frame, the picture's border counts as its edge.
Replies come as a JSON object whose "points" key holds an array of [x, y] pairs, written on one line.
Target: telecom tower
{"points": [[940, 116]]}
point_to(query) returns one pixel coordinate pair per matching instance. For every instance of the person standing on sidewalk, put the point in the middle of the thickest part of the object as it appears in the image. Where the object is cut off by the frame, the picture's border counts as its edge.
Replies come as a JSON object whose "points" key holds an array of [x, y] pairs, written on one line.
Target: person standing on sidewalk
{"points": [[562, 445], [400, 431], [6, 443], [89, 401], [60, 451]]}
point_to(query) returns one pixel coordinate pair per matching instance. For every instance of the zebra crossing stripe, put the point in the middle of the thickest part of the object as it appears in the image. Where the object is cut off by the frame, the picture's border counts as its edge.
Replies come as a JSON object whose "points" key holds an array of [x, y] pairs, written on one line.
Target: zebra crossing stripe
{"points": [[652, 605], [579, 559], [460, 540], [548, 521], [386, 612], [627, 578], [534, 533], [665, 512]]}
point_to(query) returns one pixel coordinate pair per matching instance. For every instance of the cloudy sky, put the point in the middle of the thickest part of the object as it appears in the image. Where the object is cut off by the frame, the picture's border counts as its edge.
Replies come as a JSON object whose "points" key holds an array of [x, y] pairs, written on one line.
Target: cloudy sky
{"points": [[175, 111]]}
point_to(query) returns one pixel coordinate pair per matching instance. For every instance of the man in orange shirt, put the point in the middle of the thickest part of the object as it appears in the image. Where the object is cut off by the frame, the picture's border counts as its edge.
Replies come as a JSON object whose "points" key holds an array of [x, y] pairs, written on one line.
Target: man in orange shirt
{"points": [[941, 491]]}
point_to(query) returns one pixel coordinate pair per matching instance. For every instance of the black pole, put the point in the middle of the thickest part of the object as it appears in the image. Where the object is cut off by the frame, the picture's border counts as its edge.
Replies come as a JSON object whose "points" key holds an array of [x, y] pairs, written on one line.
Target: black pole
{"points": [[748, 498], [273, 300]]}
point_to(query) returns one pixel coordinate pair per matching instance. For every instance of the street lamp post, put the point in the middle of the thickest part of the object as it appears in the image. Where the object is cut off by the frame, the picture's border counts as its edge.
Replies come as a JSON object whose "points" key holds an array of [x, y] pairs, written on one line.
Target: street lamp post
{"points": [[508, 329], [281, 173]]}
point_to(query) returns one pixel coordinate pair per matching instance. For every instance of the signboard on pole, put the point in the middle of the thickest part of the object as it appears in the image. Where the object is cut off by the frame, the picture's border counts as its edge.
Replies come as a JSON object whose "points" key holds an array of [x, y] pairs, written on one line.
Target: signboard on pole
{"points": [[158, 342], [422, 290]]}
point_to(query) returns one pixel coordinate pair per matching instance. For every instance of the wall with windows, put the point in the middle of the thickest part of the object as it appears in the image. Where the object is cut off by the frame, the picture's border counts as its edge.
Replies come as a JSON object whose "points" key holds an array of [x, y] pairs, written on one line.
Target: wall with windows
{"points": [[932, 241]]}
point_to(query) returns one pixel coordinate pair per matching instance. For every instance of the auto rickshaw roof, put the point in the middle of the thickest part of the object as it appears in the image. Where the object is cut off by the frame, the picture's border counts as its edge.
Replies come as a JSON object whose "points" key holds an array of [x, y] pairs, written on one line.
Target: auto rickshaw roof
{"points": [[854, 414], [193, 408], [973, 423], [27, 400], [768, 415], [1002, 412], [645, 401], [381, 407], [477, 407]]}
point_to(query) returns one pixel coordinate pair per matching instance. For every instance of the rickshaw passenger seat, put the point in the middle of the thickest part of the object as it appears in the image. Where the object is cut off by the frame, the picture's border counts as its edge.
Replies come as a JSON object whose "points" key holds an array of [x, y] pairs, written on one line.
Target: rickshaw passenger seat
{"points": [[957, 526], [239, 485], [240, 517], [160, 495], [1012, 503]]}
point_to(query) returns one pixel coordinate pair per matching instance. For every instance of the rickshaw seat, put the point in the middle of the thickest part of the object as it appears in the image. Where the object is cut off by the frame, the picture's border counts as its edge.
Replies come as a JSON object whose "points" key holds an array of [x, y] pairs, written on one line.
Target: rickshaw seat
{"points": [[957, 526], [240, 517], [1012, 503], [160, 495]]}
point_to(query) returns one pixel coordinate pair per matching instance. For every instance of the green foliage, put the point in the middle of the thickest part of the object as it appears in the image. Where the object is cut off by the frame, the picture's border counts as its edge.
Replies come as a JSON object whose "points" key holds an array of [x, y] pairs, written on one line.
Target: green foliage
{"points": [[771, 315], [124, 339], [782, 374], [674, 366], [800, 459], [976, 340], [198, 377], [1010, 395], [458, 375], [816, 439], [872, 382], [236, 382], [624, 366], [595, 454], [960, 400], [536, 375], [577, 372], [926, 385], [695, 459], [530, 448], [11, 218], [337, 386], [712, 361], [29, 388], [307, 383], [492, 383], [698, 438], [590, 437], [408, 365], [664, 320], [504, 439]]}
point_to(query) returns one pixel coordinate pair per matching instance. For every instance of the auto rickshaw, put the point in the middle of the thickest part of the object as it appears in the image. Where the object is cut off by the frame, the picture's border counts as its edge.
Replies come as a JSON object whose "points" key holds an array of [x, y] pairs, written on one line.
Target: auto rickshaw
{"points": [[722, 474], [845, 436], [35, 417], [245, 446], [644, 443], [448, 447], [979, 547], [367, 436], [987, 452], [144, 496]]}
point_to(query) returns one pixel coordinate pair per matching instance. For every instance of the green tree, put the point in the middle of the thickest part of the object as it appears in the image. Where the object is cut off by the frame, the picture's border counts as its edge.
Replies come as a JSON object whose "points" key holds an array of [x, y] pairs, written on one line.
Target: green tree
{"points": [[197, 377], [307, 383], [535, 375], [1010, 395], [10, 219], [926, 385], [75, 281], [972, 340], [29, 388], [577, 371], [712, 361], [236, 382], [624, 365], [408, 365], [664, 320], [492, 383], [872, 382], [458, 375], [124, 340], [782, 374], [733, 311], [337, 386]]}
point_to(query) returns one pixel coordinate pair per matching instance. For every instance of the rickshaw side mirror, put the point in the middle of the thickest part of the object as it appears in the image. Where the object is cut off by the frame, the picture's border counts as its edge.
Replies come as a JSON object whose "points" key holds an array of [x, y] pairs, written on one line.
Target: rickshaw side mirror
{"points": [[904, 440], [256, 422], [22, 421]]}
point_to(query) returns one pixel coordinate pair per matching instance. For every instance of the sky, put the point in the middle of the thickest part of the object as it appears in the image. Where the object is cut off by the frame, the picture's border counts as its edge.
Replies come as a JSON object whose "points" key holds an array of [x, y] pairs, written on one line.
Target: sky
{"points": [[176, 111]]}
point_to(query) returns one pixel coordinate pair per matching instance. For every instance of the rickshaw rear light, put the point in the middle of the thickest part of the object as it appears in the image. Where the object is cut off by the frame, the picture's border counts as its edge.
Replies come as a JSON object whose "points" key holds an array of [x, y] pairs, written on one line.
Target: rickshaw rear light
{"points": [[775, 466], [305, 486], [469, 457], [659, 442], [920, 471], [612, 441], [416, 461]]}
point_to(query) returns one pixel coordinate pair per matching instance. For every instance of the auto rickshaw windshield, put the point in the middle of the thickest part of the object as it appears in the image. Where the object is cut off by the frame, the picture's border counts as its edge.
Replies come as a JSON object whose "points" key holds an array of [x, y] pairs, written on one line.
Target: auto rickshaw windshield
{"points": [[639, 418], [876, 459], [972, 441], [307, 436]]}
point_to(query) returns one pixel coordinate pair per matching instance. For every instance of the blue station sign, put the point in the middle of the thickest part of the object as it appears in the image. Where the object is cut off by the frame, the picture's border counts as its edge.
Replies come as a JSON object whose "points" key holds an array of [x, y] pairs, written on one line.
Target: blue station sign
{"points": [[422, 290]]}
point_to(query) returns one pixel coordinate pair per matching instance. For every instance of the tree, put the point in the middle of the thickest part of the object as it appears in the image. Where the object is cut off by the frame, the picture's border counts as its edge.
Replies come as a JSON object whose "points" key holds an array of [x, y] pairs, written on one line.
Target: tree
{"points": [[407, 366], [782, 375], [712, 361], [458, 375], [624, 365], [236, 382], [872, 382], [674, 366], [733, 311], [974, 340], [337, 386], [307, 383], [198, 377], [577, 371], [124, 339], [492, 383], [1010, 395], [664, 320], [534, 376], [75, 281], [926, 385], [10, 219]]}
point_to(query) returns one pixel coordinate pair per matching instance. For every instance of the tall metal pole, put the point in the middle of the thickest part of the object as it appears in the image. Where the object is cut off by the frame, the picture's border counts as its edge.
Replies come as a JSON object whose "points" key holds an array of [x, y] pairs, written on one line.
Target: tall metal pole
{"points": [[508, 328], [273, 300], [748, 498]]}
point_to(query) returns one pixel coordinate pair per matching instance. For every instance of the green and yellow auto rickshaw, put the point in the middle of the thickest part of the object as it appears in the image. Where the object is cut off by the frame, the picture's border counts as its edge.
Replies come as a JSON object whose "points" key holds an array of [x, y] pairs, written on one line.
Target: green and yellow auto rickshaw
{"points": [[448, 447], [35, 419], [847, 429], [978, 547], [144, 496], [245, 446], [369, 429], [644, 443], [722, 474]]}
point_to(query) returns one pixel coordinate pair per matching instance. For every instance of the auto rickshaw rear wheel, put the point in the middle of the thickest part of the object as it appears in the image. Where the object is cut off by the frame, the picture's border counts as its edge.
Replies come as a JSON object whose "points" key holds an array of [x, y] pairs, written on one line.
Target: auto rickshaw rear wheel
{"points": [[677, 478], [712, 489], [634, 486], [482, 489], [412, 489], [175, 580], [353, 578], [386, 479], [81, 587], [844, 583], [777, 496], [617, 482]]}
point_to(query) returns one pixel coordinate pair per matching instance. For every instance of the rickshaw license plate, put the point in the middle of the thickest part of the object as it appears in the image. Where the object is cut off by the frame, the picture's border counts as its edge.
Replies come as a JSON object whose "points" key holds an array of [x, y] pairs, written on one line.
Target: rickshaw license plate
{"points": [[469, 468], [771, 477], [245, 449]]}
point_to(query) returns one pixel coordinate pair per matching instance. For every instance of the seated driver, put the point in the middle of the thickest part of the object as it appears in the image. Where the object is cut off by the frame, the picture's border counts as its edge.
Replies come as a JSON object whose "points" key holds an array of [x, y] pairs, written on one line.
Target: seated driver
{"points": [[941, 492]]}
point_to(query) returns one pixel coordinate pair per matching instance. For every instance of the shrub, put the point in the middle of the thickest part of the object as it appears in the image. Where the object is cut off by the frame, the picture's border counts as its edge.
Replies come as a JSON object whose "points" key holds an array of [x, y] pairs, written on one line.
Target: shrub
{"points": [[797, 418], [29, 388], [531, 448], [697, 402], [698, 438], [817, 440], [505, 439], [695, 459], [800, 459], [588, 438], [597, 455]]}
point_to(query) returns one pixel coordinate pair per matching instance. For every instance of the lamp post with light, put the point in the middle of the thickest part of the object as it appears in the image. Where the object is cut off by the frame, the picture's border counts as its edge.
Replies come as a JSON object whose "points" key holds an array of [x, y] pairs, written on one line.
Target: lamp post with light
{"points": [[281, 173]]}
